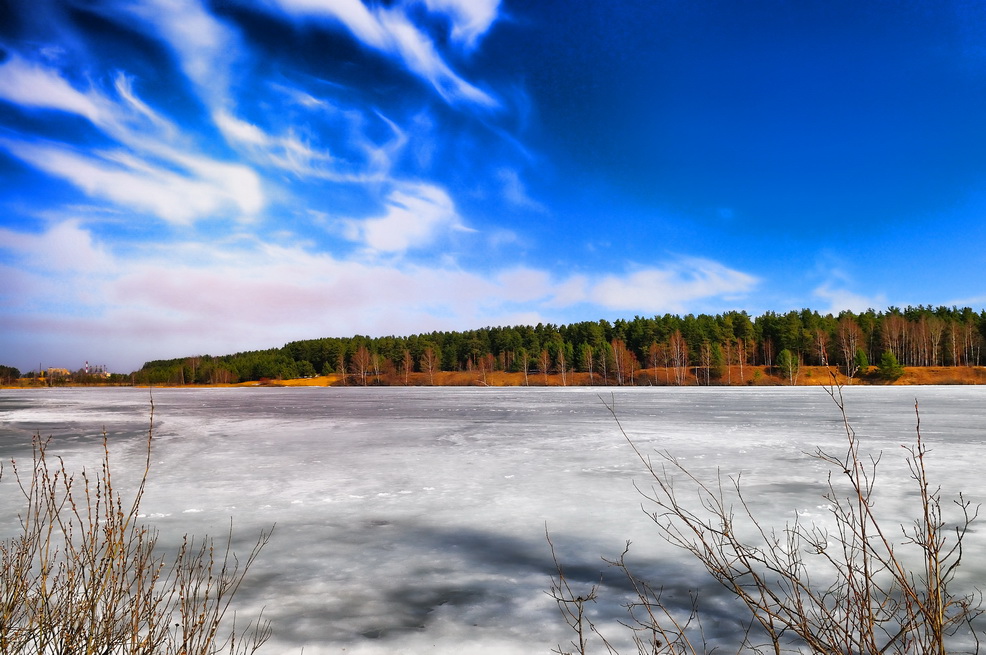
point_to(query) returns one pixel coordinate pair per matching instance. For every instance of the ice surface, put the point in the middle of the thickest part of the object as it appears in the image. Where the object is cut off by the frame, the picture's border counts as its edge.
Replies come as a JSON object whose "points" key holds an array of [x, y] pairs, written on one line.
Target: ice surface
{"points": [[413, 519]]}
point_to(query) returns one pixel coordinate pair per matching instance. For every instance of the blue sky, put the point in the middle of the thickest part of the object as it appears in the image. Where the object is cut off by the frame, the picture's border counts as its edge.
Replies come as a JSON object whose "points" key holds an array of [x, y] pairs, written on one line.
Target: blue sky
{"points": [[182, 177]]}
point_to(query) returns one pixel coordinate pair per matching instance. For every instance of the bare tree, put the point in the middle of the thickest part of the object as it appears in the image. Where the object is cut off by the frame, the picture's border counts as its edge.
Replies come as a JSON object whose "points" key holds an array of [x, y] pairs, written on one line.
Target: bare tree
{"points": [[603, 361], [429, 362], [936, 330], [850, 337], [954, 342], [741, 356], [619, 360], [360, 363], [486, 363], [727, 351], [894, 329], [625, 362], [920, 342], [679, 356], [971, 343], [654, 355], [560, 364], [407, 365], [821, 346], [706, 357], [544, 365]]}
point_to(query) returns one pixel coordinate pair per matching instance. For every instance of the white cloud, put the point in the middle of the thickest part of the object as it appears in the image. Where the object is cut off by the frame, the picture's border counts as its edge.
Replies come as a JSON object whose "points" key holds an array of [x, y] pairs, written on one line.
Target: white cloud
{"points": [[239, 130], [836, 280], [66, 247], [524, 284], [392, 32], [842, 299], [300, 155], [501, 238], [208, 188], [416, 216], [515, 192], [572, 291], [124, 87], [419, 54], [364, 25], [173, 299], [205, 47], [285, 152], [154, 174], [470, 18], [669, 288], [222, 183], [60, 270], [32, 85], [16, 289]]}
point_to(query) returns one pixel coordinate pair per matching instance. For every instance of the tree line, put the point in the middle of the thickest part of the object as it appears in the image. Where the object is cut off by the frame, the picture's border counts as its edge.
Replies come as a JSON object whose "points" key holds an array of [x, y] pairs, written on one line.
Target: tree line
{"points": [[9, 374], [709, 347]]}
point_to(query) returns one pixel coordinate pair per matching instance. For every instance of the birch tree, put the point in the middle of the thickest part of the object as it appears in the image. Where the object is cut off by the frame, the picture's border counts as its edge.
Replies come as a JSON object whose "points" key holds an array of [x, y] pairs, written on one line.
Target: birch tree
{"points": [[429, 362]]}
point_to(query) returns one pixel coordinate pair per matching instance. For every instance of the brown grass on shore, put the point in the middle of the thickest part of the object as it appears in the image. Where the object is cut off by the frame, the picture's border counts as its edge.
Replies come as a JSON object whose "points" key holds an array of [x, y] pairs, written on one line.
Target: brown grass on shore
{"points": [[751, 376]]}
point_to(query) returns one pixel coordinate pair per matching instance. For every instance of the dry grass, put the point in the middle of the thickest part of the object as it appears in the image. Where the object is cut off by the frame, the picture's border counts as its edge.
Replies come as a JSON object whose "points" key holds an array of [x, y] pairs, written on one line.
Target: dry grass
{"points": [[748, 375], [734, 376]]}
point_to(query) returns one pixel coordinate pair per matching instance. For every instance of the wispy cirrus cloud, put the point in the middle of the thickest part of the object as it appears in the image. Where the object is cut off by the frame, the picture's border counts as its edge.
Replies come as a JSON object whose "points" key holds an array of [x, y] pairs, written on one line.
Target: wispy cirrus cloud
{"points": [[163, 161], [204, 189], [148, 172], [287, 152], [391, 30], [36, 86], [163, 127], [470, 18], [206, 48], [357, 160]]}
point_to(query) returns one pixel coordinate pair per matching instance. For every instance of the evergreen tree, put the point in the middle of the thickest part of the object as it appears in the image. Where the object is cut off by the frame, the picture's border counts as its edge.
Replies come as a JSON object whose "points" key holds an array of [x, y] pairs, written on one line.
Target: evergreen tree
{"points": [[889, 369], [861, 362], [718, 368]]}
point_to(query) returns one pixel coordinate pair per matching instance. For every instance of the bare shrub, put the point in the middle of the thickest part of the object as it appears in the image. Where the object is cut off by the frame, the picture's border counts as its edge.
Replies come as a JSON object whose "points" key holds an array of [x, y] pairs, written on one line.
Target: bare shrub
{"points": [[83, 576], [653, 626], [865, 585]]}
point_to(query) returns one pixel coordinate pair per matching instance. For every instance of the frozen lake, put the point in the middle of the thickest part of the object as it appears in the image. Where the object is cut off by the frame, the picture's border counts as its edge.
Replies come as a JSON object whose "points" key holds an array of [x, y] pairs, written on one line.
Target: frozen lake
{"points": [[412, 520]]}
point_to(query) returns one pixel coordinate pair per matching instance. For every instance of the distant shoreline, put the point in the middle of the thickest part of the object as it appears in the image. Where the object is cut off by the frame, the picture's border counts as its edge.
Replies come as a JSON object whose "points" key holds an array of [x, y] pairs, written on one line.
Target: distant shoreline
{"points": [[733, 377]]}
